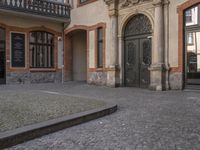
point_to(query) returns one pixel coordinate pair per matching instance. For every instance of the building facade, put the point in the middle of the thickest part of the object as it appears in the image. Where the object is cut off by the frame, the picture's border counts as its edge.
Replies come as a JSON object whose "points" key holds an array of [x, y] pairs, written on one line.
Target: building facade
{"points": [[134, 43], [31, 42]]}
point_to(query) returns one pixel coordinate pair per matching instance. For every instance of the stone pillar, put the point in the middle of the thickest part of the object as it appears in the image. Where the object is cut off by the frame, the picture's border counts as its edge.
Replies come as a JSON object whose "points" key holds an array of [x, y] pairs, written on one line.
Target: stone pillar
{"points": [[113, 73], [158, 66], [166, 31], [113, 41]]}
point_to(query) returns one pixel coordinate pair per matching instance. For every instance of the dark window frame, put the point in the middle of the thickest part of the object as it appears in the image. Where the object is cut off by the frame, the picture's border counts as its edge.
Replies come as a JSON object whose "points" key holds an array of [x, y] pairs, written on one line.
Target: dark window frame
{"points": [[45, 48], [84, 2], [100, 44]]}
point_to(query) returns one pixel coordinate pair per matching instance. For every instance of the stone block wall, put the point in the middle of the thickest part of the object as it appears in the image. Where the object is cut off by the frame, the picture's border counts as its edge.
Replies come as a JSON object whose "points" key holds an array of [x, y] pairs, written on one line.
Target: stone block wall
{"points": [[97, 78], [176, 81], [33, 77]]}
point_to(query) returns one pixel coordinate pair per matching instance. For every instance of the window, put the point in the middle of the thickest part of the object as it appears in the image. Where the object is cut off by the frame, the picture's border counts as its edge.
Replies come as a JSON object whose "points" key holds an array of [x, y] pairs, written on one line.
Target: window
{"points": [[188, 16], [190, 38], [191, 16], [83, 1], [41, 50], [100, 47]]}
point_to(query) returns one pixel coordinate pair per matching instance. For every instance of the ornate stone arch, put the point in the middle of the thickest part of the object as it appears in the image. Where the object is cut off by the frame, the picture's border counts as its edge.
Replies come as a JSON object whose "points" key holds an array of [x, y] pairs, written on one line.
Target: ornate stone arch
{"points": [[139, 24], [126, 19]]}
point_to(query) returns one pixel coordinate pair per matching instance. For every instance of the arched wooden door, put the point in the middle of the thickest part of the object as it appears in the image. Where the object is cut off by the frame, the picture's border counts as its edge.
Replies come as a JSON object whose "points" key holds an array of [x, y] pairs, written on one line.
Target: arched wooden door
{"points": [[138, 44]]}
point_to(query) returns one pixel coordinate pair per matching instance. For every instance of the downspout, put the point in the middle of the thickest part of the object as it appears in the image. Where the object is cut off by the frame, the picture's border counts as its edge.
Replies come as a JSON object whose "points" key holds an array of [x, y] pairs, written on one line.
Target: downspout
{"points": [[65, 25], [63, 50]]}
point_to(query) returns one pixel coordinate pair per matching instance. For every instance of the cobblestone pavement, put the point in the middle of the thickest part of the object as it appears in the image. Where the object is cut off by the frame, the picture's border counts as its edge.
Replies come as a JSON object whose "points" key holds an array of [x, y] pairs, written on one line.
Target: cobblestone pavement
{"points": [[145, 120], [26, 107]]}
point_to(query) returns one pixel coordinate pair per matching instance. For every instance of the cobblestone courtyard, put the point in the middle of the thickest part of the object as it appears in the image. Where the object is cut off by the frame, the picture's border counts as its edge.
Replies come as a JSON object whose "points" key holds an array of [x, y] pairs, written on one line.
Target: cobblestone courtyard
{"points": [[145, 120]]}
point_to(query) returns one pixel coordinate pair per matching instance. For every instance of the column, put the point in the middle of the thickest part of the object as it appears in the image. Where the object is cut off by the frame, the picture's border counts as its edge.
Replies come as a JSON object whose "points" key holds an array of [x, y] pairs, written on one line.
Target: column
{"points": [[157, 68], [113, 73], [114, 41]]}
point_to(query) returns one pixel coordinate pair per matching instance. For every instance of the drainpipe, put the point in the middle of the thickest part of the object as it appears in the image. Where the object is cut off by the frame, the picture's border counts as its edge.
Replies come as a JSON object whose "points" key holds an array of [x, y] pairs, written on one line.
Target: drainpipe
{"points": [[63, 55], [63, 50]]}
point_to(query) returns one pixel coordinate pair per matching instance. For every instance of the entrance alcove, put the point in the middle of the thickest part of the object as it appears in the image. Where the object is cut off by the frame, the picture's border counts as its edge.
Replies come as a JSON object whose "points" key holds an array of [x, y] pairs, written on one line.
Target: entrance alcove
{"points": [[75, 57], [137, 51]]}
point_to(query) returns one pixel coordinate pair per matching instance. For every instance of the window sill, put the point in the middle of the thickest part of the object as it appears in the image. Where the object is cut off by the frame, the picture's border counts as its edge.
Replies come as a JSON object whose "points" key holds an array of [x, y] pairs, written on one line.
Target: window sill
{"points": [[42, 70]]}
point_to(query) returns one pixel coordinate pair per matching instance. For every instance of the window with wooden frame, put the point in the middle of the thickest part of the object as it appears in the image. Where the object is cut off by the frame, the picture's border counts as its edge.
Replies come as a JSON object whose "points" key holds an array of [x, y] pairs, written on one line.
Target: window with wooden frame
{"points": [[41, 49], [100, 47]]}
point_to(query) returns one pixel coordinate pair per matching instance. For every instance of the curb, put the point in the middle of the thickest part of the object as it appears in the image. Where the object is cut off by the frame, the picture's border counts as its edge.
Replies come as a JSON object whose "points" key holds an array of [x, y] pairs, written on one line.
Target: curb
{"points": [[23, 134]]}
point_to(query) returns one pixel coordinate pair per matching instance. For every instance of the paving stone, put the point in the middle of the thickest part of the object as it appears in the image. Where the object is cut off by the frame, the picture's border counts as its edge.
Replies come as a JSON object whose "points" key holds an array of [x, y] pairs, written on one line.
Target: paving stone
{"points": [[145, 120]]}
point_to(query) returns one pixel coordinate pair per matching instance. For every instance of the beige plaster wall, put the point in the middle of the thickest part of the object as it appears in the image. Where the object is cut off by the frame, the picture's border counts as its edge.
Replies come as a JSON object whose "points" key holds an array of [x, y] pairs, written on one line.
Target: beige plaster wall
{"points": [[91, 49], [79, 56], [92, 14], [173, 32]]}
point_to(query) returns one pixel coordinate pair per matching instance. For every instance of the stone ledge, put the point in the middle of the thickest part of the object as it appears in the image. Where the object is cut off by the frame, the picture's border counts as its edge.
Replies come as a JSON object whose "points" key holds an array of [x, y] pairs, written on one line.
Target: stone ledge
{"points": [[20, 135]]}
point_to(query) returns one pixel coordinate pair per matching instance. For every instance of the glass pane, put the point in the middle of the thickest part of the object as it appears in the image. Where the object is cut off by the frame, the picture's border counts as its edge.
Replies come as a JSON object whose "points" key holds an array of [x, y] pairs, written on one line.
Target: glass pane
{"points": [[191, 16], [33, 37], [82, 1], [45, 37], [193, 54], [2, 33], [39, 37], [50, 39], [100, 34], [100, 54], [45, 56]]}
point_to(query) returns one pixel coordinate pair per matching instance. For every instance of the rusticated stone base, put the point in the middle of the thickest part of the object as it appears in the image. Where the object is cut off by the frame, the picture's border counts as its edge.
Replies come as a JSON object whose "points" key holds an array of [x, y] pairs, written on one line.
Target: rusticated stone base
{"points": [[176, 81], [33, 77], [97, 78]]}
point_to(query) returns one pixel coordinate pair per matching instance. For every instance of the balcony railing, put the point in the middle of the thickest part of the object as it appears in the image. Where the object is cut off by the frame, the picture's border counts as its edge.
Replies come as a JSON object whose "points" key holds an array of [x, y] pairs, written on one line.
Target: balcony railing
{"points": [[38, 7]]}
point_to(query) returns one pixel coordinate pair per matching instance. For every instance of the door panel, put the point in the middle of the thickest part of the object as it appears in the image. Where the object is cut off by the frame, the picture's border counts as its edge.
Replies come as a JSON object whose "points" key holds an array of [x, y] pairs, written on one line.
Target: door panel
{"points": [[137, 62], [145, 62], [132, 63], [2, 56]]}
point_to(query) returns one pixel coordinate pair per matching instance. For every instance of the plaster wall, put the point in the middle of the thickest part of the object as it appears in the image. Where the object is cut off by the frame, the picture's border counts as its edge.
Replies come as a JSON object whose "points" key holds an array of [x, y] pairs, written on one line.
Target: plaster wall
{"points": [[173, 32], [91, 49], [79, 56], [89, 15]]}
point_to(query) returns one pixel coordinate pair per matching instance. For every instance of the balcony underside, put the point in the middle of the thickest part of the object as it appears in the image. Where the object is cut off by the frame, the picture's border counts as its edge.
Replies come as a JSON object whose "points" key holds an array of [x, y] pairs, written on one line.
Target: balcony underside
{"points": [[37, 8]]}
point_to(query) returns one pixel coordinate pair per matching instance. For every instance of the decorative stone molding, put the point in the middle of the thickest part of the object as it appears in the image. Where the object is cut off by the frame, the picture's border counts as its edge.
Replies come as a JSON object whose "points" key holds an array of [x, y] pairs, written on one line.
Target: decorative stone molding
{"points": [[126, 3], [109, 2], [158, 3], [112, 6]]}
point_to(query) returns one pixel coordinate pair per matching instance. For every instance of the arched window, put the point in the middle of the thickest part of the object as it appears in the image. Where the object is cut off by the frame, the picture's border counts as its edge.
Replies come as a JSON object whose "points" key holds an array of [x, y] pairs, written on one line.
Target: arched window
{"points": [[41, 49]]}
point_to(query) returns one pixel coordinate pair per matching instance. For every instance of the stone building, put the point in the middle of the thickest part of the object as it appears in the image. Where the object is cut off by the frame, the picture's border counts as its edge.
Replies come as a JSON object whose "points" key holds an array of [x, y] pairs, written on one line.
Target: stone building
{"points": [[133, 43]]}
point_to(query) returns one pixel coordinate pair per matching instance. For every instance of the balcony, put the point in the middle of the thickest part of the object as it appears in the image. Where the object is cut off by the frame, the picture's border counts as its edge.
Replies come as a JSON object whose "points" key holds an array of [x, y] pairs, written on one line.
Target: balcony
{"points": [[38, 8]]}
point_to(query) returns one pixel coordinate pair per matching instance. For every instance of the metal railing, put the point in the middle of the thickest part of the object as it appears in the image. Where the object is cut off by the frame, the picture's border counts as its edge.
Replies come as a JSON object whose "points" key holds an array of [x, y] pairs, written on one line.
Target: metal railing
{"points": [[37, 7]]}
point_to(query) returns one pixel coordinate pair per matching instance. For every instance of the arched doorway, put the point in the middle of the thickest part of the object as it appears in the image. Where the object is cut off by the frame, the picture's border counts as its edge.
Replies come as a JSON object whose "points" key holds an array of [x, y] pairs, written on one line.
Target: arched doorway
{"points": [[137, 51], [76, 55], [192, 45]]}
